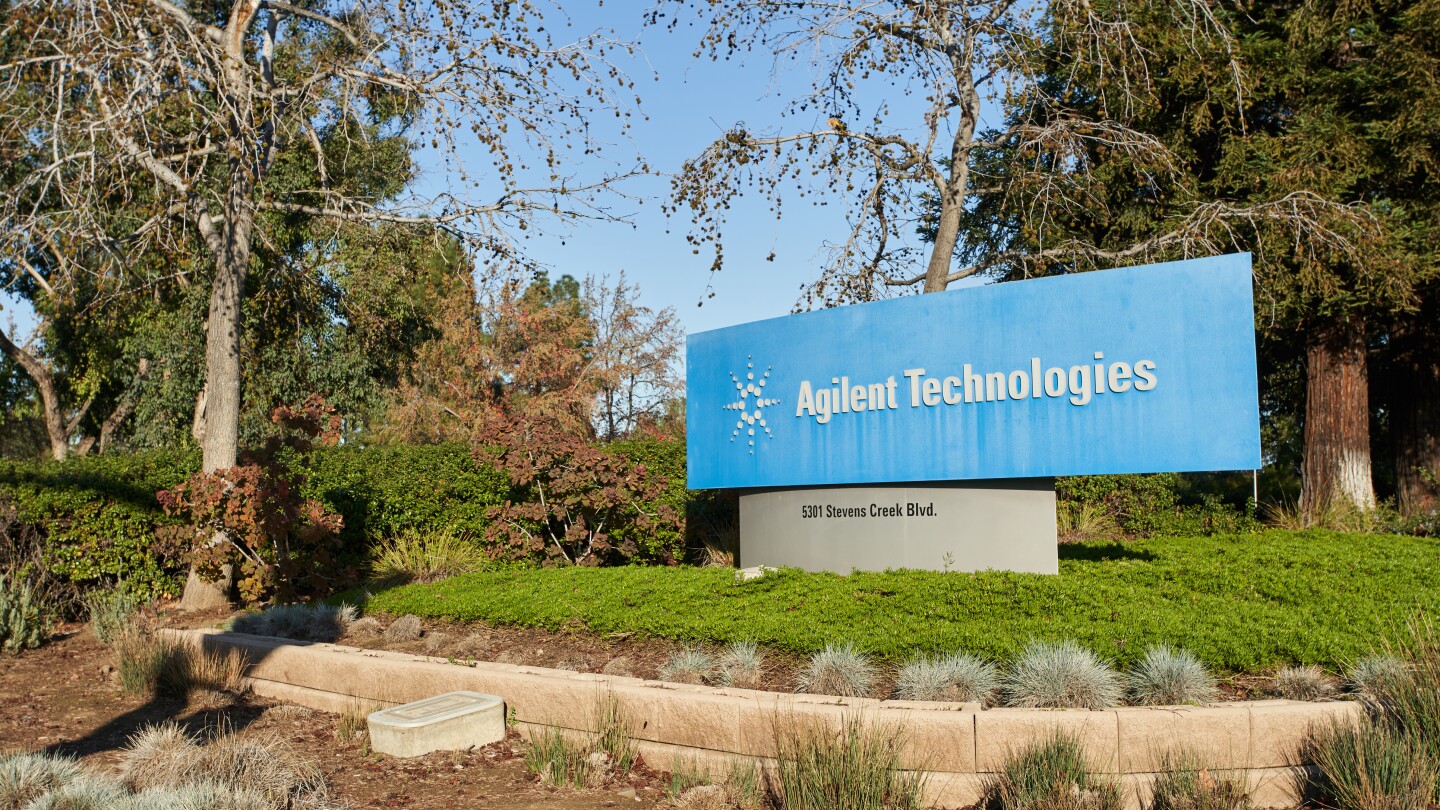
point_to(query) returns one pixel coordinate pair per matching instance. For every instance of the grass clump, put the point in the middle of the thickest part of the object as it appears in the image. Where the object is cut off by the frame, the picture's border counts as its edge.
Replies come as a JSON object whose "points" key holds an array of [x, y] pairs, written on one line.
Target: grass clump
{"points": [[556, 760], [1060, 675], [1183, 784], [1170, 677], [1370, 674], [855, 765], [110, 613], [26, 777], [1083, 520], [613, 737], [150, 664], [741, 666], [167, 769], [25, 619], [89, 792], [354, 722], [560, 760], [164, 757], [315, 622], [691, 665], [141, 658], [1368, 766], [404, 629], [838, 669], [1389, 759], [1050, 775], [955, 677], [416, 556], [1304, 683], [1409, 702]]}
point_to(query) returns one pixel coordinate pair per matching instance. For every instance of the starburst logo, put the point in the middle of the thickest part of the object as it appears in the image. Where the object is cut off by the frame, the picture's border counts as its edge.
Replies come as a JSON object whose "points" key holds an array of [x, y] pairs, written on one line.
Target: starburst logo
{"points": [[751, 405]]}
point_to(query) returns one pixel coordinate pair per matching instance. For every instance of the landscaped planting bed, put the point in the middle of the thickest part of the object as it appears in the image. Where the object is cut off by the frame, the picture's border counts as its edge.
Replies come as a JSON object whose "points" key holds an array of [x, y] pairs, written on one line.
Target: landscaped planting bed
{"points": [[1241, 603]]}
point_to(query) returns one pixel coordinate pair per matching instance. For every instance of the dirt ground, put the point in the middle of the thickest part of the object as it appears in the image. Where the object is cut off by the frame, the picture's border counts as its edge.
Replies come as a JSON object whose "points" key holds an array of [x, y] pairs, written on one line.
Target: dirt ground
{"points": [[63, 698]]}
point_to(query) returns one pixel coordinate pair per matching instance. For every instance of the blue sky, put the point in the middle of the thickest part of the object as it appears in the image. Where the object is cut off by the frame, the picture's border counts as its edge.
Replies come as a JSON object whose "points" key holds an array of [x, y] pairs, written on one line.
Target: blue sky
{"points": [[690, 102]]}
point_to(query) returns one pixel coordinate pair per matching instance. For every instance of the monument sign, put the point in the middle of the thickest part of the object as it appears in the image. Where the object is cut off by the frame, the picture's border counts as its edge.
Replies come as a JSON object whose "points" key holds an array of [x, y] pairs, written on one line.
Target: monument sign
{"points": [[964, 405]]}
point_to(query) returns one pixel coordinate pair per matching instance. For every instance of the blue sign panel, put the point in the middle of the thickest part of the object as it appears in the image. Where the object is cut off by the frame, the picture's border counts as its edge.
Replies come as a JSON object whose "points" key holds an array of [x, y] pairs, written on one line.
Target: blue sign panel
{"points": [[1145, 369]]}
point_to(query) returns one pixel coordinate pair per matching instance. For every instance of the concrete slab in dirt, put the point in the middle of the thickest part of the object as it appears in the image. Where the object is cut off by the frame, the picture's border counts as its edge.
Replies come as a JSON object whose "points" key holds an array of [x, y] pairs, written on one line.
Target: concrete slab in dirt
{"points": [[454, 721]]}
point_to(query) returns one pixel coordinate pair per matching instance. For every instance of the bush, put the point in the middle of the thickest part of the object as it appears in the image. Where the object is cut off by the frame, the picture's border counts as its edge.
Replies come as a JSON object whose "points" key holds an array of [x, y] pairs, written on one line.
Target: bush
{"points": [[838, 669], [1062, 675], [665, 541], [24, 619], [579, 504], [957, 677], [1170, 677], [253, 518], [98, 515], [1144, 506], [855, 766], [1051, 775], [386, 490]]}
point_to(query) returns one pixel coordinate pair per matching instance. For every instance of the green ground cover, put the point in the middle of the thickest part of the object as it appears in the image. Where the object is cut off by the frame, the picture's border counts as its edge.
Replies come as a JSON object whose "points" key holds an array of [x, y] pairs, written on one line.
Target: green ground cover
{"points": [[1240, 602]]}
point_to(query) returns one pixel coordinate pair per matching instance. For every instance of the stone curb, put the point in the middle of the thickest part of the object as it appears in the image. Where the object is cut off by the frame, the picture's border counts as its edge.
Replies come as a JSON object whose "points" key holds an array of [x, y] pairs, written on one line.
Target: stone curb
{"points": [[957, 744]]}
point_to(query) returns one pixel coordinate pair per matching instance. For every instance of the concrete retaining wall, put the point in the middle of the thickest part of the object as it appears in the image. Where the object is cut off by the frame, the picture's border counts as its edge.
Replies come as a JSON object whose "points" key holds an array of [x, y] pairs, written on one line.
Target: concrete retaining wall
{"points": [[957, 744]]}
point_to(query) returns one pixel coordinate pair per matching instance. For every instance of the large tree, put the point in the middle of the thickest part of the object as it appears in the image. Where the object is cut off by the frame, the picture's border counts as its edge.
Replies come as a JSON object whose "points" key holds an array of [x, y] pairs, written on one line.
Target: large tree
{"points": [[185, 111], [1331, 144]]}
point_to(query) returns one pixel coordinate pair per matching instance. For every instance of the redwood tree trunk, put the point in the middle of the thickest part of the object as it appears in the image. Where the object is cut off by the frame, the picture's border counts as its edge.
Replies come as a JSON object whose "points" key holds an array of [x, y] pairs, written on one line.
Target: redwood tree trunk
{"points": [[1336, 467], [1415, 419]]}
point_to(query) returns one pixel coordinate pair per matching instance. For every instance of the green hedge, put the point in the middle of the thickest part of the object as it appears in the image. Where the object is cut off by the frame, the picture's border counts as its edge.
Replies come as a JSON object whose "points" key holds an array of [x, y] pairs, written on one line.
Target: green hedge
{"points": [[99, 513], [392, 488], [1240, 602]]}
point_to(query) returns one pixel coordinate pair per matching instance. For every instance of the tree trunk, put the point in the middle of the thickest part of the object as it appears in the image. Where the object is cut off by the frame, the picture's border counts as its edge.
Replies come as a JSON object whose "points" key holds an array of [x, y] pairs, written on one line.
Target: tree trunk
{"points": [[1336, 467], [55, 428], [219, 446], [1415, 419], [953, 192]]}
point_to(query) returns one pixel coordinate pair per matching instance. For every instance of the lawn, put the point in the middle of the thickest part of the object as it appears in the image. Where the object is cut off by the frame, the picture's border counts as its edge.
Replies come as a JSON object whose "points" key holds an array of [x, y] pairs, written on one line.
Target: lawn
{"points": [[1241, 602]]}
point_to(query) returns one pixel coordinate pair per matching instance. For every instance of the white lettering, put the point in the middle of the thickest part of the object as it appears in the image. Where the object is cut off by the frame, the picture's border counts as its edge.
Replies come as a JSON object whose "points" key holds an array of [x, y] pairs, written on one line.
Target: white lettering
{"points": [[1143, 371], [1079, 385], [914, 374]]}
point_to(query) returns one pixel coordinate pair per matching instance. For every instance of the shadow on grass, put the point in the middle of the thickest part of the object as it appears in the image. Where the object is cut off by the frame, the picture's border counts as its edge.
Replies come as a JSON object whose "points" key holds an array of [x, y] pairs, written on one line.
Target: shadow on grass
{"points": [[1103, 552]]}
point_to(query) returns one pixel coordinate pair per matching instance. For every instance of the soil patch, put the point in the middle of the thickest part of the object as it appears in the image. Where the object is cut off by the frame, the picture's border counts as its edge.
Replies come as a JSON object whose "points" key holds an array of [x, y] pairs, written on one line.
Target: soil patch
{"points": [[576, 648], [63, 698]]}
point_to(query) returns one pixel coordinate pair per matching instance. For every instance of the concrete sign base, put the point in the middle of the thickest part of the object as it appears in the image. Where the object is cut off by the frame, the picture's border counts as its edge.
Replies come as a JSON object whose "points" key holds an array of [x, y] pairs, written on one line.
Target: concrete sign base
{"points": [[1000, 524]]}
